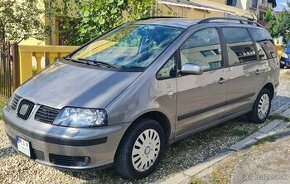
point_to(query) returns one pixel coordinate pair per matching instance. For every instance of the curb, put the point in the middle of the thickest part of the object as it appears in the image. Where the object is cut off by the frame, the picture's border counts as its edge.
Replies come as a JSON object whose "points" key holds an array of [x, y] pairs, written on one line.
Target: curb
{"points": [[275, 127]]}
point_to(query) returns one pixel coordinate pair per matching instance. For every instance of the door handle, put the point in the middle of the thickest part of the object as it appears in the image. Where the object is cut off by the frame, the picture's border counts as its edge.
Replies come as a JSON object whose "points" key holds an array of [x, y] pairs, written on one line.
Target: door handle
{"points": [[222, 80], [170, 93]]}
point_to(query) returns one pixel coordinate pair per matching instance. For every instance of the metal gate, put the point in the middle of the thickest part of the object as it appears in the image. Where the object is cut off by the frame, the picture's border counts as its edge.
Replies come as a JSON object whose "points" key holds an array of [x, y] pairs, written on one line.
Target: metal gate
{"points": [[6, 73]]}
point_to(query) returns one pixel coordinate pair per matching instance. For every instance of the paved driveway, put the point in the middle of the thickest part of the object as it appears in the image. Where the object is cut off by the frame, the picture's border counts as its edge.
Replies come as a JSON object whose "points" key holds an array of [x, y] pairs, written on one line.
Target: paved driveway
{"points": [[267, 162], [283, 95]]}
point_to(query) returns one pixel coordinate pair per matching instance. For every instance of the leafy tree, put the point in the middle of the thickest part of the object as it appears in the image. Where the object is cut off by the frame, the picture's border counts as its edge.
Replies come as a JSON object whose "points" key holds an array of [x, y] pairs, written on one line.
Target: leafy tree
{"points": [[91, 18], [99, 16], [19, 20], [280, 24], [138, 9], [269, 15]]}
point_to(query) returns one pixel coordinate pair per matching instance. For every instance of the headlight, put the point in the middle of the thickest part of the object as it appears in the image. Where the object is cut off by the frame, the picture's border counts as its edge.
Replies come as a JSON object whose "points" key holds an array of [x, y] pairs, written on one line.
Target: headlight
{"points": [[284, 55], [81, 117]]}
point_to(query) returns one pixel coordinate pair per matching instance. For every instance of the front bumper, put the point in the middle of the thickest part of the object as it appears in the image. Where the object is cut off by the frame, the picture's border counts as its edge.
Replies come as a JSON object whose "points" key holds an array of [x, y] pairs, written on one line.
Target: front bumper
{"points": [[64, 147]]}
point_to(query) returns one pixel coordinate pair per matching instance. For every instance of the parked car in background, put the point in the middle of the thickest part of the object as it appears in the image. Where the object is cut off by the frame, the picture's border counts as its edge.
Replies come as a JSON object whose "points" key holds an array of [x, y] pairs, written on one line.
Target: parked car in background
{"points": [[285, 58], [121, 98]]}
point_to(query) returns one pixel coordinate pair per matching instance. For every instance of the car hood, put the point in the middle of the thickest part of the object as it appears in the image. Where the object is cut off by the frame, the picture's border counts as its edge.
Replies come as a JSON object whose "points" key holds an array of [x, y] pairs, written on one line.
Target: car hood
{"points": [[70, 84], [287, 50]]}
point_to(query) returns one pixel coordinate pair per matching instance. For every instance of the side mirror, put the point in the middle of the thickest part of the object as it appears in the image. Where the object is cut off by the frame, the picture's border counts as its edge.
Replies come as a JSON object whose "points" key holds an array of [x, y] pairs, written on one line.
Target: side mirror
{"points": [[191, 69]]}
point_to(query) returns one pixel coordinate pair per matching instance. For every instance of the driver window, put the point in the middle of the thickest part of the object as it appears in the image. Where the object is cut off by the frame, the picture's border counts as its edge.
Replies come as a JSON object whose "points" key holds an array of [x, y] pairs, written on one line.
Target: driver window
{"points": [[203, 48]]}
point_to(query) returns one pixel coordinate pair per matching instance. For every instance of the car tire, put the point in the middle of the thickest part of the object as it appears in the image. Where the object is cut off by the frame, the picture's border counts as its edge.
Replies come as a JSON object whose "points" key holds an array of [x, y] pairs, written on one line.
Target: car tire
{"points": [[140, 150], [261, 108], [282, 66]]}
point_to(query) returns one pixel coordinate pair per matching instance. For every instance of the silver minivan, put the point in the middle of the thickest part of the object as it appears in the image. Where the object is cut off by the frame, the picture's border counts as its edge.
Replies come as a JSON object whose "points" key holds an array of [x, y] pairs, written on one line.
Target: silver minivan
{"points": [[121, 98]]}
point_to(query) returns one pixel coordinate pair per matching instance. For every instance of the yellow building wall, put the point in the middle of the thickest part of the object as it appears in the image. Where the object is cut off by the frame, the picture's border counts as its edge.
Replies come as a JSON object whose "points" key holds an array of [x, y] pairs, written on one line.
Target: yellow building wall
{"points": [[187, 12]]}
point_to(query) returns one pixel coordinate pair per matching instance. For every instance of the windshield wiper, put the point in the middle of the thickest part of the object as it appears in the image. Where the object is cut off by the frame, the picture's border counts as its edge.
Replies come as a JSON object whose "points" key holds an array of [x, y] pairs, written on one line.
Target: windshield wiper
{"points": [[99, 63]]}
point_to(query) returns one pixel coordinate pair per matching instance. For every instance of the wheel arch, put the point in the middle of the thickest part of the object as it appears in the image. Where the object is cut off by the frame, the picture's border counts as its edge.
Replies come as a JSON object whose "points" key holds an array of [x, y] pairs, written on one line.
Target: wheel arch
{"points": [[155, 115], [270, 87]]}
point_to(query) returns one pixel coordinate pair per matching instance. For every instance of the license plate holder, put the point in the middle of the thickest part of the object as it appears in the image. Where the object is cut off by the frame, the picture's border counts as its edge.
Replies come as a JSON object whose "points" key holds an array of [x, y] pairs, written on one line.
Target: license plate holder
{"points": [[23, 146]]}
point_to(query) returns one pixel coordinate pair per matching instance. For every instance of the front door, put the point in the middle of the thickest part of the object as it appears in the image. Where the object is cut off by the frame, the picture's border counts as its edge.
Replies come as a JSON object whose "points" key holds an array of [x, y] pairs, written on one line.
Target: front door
{"points": [[201, 98]]}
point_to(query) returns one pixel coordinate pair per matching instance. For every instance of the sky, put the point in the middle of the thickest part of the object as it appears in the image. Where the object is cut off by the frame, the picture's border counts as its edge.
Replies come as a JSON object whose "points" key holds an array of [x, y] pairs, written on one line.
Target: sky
{"points": [[281, 4]]}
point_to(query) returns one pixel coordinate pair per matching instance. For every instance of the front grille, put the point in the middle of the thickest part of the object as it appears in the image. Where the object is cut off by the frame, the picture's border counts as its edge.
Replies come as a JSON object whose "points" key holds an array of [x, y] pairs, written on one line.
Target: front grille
{"points": [[15, 101], [46, 114], [69, 160], [35, 154], [25, 108]]}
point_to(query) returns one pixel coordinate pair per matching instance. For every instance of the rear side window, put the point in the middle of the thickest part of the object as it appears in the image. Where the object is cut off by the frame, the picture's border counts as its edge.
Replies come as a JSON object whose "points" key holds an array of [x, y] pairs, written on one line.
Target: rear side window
{"points": [[236, 35], [264, 43], [260, 34], [239, 45]]}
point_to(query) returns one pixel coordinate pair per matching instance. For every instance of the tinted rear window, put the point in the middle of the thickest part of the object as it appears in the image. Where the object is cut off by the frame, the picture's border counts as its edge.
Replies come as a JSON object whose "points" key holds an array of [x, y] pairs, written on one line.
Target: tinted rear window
{"points": [[236, 35], [240, 46], [260, 34]]}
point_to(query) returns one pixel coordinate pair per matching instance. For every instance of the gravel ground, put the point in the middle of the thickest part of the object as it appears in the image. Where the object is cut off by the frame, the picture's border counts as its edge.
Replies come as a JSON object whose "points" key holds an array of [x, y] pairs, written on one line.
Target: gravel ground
{"points": [[179, 156]]}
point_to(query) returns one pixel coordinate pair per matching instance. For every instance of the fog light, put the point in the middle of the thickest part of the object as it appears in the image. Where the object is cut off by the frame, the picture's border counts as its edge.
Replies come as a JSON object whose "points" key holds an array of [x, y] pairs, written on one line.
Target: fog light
{"points": [[64, 160], [84, 162]]}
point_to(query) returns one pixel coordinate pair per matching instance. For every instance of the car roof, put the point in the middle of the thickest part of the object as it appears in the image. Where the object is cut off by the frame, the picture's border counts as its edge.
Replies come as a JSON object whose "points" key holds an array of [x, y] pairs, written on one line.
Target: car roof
{"points": [[173, 22]]}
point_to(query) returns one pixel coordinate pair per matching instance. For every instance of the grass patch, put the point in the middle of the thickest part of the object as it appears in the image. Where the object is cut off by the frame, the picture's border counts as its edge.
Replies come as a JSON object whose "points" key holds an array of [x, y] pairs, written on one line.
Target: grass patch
{"points": [[197, 181], [222, 172], [3, 102], [240, 132], [278, 116], [265, 140], [218, 177]]}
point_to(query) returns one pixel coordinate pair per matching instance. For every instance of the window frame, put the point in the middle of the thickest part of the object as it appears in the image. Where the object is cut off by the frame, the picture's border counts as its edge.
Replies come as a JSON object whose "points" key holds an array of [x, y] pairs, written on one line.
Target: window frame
{"points": [[231, 3], [175, 56], [223, 64], [226, 49], [257, 42]]}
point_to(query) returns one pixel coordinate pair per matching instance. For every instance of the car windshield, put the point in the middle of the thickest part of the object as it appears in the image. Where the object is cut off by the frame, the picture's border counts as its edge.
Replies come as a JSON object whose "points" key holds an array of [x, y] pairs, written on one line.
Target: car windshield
{"points": [[134, 46]]}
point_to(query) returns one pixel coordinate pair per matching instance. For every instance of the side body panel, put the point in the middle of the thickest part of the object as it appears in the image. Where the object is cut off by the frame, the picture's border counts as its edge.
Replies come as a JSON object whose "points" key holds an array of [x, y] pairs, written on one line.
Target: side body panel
{"points": [[199, 97]]}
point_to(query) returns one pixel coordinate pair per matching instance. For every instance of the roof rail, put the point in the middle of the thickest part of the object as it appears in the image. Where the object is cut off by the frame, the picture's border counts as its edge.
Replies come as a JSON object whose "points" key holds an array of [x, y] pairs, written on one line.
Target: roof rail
{"points": [[157, 17], [240, 21]]}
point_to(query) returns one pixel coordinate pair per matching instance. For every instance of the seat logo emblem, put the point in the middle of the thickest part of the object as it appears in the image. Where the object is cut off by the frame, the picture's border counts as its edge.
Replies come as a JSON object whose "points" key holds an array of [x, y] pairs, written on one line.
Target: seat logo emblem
{"points": [[23, 109]]}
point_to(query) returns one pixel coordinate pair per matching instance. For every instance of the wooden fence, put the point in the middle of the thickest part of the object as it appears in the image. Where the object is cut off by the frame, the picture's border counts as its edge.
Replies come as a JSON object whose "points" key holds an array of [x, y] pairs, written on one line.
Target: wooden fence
{"points": [[8, 69], [32, 59]]}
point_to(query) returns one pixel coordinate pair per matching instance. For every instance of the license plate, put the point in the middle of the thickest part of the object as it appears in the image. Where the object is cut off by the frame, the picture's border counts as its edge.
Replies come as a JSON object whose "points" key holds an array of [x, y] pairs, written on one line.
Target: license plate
{"points": [[23, 146]]}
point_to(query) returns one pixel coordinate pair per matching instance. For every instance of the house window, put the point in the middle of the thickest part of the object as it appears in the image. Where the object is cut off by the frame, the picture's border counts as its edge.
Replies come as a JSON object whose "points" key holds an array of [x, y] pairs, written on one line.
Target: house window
{"points": [[254, 4], [232, 2]]}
